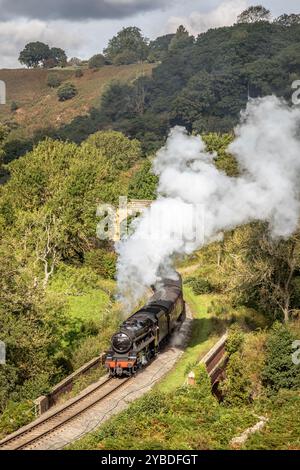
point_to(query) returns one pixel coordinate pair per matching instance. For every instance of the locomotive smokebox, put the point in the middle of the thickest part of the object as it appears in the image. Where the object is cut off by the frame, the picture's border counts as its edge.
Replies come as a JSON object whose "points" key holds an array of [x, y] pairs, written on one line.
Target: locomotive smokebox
{"points": [[121, 343]]}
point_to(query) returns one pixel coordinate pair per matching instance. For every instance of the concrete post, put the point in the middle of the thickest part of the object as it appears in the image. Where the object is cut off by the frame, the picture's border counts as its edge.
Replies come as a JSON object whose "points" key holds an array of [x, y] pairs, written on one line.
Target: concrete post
{"points": [[191, 379]]}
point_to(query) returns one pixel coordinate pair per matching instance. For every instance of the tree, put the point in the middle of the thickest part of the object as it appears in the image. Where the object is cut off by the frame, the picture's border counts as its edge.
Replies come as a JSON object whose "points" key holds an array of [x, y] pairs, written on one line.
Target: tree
{"points": [[181, 39], [97, 61], [35, 54], [288, 20], [59, 56], [128, 40], [67, 91], [116, 101], [144, 183], [237, 385], [75, 62], [38, 54], [260, 272], [159, 47], [279, 370], [126, 57], [120, 151], [254, 14]]}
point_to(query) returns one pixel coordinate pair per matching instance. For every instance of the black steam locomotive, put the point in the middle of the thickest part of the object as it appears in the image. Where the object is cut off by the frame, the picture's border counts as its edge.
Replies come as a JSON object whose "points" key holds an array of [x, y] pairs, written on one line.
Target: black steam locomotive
{"points": [[142, 334]]}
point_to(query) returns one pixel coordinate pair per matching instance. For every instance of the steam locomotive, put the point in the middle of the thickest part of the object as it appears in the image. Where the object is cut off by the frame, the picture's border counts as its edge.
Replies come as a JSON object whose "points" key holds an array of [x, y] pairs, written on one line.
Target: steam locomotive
{"points": [[141, 336]]}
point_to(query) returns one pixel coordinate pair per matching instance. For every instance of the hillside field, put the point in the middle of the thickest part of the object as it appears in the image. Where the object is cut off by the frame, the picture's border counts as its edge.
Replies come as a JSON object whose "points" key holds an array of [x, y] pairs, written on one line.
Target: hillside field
{"points": [[38, 103]]}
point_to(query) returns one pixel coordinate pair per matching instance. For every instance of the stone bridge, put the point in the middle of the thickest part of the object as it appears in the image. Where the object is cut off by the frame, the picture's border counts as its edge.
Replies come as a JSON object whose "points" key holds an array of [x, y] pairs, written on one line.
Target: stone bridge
{"points": [[128, 209]]}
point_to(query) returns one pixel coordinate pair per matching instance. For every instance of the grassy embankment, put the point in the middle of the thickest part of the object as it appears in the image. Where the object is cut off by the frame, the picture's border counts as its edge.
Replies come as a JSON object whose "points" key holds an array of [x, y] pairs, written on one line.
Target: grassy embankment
{"points": [[191, 418], [38, 105], [172, 416]]}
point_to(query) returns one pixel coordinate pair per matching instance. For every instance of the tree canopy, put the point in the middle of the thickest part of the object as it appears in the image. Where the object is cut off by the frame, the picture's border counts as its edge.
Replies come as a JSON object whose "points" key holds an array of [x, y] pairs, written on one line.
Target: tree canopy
{"points": [[37, 54], [97, 61], [288, 20], [254, 14], [128, 46]]}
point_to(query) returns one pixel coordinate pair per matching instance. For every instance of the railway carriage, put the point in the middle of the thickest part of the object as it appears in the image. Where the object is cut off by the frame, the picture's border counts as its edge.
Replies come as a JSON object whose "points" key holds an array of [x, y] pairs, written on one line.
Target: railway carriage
{"points": [[141, 336]]}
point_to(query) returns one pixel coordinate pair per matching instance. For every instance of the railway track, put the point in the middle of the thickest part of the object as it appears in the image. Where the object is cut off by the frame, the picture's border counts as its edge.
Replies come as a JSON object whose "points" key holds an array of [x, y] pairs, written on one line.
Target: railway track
{"points": [[51, 422]]}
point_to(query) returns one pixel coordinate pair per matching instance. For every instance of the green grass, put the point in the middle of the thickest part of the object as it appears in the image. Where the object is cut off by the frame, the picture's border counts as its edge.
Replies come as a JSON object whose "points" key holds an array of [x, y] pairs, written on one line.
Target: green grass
{"points": [[202, 339], [38, 104], [174, 416], [86, 296], [189, 418], [282, 431], [90, 306]]}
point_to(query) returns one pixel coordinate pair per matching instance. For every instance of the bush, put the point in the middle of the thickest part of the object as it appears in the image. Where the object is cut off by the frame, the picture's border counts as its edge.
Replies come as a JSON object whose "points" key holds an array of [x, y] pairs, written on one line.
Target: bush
{"points": [[235, 340], [79, 73], [102, 262], [126, 57], [236, 388], [279, 371], [97, 61], [203, 381], [14, 106], [15, 416], [199, 285], [53, 80], [66, 91]]}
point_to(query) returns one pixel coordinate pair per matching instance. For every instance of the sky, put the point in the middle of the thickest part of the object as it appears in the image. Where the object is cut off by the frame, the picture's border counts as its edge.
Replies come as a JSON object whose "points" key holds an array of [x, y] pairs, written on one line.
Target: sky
{"points": [[83, 27]]}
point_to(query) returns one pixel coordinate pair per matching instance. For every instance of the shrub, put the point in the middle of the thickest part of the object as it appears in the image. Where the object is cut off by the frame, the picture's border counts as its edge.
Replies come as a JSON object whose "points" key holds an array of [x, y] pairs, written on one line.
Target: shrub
{"points": [[279, 371], [236, 388], [199, 285], [203, 381], [66, 91], [53, 80], [97, 61], [102, 262], [15, 416], [14, 106], [79, 73], [235, 340], [125, 58]]}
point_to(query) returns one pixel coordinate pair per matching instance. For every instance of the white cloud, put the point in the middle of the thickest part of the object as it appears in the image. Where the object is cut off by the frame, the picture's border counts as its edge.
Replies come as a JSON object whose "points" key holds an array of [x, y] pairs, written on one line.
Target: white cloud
{"points": [[196, 22], [15, 34]]}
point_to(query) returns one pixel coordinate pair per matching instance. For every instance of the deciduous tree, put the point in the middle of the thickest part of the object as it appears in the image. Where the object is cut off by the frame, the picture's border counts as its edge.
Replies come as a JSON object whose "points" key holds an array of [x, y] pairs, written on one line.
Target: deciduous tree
{"points": [[128, 40], [254, 14]]}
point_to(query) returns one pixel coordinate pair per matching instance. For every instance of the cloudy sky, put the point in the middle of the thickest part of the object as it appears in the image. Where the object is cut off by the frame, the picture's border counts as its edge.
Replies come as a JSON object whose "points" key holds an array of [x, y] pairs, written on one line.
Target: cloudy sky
{"points": [[83, 27]]}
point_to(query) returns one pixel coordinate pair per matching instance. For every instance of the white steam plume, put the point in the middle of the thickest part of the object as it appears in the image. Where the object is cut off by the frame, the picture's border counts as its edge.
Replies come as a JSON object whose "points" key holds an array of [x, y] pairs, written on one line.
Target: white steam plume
{"points": [[197, 202]]}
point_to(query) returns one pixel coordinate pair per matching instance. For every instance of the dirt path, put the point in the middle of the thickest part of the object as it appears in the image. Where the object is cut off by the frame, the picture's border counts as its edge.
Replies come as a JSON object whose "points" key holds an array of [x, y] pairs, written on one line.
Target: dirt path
{"points": [[121, 399]]}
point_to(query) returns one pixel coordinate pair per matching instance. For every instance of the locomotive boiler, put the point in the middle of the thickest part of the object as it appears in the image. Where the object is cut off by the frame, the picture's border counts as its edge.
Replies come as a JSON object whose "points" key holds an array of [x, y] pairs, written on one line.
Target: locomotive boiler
{"points": [[142, 335]]}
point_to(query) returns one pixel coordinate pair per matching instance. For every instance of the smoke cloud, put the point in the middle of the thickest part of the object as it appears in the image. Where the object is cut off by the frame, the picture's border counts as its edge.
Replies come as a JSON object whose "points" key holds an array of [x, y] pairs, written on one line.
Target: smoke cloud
{"points": [[197, 202]]}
